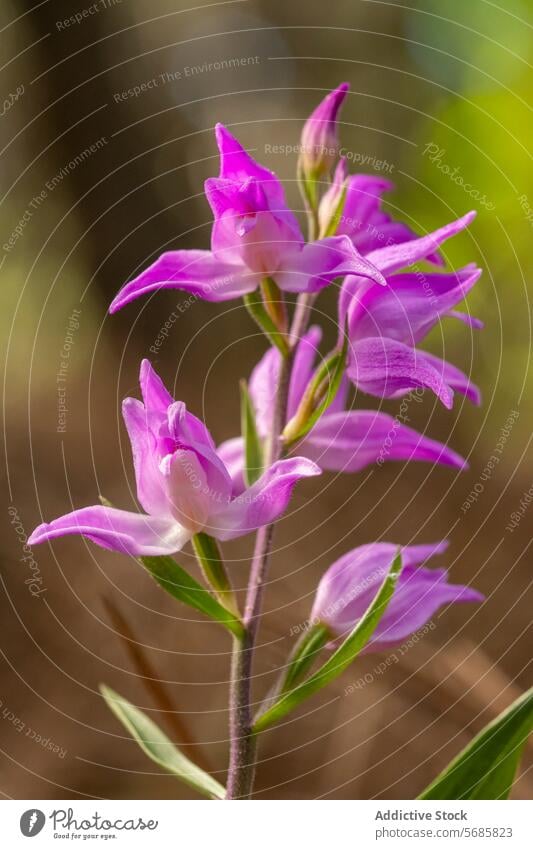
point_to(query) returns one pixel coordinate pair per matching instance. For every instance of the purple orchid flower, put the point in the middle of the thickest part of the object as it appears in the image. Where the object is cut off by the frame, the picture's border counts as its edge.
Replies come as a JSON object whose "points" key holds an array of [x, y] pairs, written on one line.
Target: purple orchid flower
{"points": [[384, 331], [182, 483], [254, 236], [342, 440], [362, 219], [351, 583], [319, 140]]}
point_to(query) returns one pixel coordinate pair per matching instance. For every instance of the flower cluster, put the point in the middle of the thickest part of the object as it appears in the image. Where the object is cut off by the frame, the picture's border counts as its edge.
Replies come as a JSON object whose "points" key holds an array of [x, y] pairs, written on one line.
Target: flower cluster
{"points": [[300, 419]]}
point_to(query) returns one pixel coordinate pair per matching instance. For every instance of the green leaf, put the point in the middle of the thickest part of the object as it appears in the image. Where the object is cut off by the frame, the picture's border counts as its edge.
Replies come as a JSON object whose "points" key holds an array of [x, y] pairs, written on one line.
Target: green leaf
{"points": [[486, 768], [159, 748], [254, 305], [324, 386], [342, 658], [303, 655], [210, 559], [253, 450], [182, 586]]}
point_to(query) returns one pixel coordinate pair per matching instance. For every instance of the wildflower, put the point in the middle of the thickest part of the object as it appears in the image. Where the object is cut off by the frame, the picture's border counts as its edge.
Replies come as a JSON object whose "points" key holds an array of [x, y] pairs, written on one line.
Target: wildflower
{"points": [[254, 236], [182, 484]]}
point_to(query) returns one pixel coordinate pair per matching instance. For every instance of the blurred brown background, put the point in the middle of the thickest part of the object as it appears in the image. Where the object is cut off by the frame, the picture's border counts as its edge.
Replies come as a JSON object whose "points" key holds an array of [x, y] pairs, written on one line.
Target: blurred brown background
{"points": [[95, 183]]}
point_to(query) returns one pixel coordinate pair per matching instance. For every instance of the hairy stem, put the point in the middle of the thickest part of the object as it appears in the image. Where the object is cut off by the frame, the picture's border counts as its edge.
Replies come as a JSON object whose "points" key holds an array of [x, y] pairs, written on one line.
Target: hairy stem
{"points": [[242, 740]]}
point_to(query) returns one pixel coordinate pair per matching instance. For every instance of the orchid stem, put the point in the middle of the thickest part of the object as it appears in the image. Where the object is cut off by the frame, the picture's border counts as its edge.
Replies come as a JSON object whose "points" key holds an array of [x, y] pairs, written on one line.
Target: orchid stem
{"points": [[242, 739]]}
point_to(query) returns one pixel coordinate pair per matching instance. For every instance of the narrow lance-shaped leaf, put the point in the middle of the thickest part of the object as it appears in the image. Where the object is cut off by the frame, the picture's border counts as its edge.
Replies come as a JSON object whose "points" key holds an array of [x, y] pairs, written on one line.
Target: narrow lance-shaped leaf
{"points": [[159, 748], [342, 657], [179, 584], [151, 680], [486, 768], [253, 451], [303, 655]]}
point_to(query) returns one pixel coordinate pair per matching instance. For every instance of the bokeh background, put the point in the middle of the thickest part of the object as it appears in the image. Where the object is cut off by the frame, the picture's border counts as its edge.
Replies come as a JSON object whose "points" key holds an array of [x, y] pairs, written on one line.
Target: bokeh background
{"points": [[96, 183]]}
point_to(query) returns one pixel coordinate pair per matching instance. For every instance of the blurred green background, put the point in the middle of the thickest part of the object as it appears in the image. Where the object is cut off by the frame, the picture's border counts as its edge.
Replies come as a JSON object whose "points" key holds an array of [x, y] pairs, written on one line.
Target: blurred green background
{"points": [[96, 182]]}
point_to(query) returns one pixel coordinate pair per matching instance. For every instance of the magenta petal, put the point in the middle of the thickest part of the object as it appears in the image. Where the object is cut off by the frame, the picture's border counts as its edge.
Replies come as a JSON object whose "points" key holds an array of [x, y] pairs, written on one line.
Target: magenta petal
{"points": [[117, 530], [453, 377], [303, 367], [319, 263], [398, 256], [466, 318], [419, 595], [231, 452], [262, 503], [156, 397], [150, 485], [349, 441], [237, 165], [386, 368], [199, 272], [263, 386], [263, 382], [409, 306], [189, 433]]}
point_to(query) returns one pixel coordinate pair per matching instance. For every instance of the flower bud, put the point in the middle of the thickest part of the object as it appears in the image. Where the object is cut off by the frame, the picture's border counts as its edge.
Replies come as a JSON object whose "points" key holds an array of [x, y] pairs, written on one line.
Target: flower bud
{"points": [[332, 202], [319, 141], [350, 585]]}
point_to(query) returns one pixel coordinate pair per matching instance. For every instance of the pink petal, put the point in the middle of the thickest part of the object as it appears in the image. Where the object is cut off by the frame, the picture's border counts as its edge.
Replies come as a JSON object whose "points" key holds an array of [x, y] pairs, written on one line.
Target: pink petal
{"points": [[117, 530], [199, 272], [150, 484], [237, 165], [387, 369], [398, 256], [409, 306], [454, 377], [263, 383], [264, 502], [156, 398], [349, 441], [320, 262], [231, 452]]}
